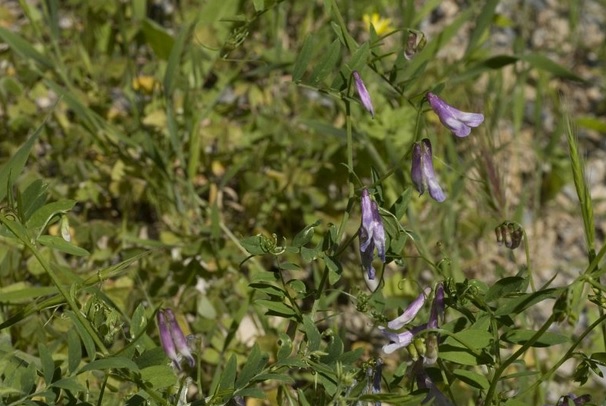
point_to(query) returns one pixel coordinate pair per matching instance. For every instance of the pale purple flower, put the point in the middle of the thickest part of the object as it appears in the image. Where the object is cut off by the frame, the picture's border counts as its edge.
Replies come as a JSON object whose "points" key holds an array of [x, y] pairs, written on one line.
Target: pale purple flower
{"points": [[422, 171], [457, 121], [172, 338], [363, 93], [166, 338], [410, 312], [437, 307], [405, 338], [372, 234], [179, 338], [400, 340]]}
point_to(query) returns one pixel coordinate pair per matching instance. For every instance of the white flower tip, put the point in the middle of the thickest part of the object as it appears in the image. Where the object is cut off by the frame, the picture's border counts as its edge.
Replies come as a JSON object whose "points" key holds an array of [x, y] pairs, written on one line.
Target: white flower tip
{"points": [[371, 283]]}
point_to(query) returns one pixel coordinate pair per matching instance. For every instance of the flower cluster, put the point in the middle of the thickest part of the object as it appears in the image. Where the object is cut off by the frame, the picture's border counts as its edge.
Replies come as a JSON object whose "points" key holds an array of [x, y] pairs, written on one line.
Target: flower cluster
{"points": [[420, 340], [172, 338], [457, 121], [405, 338]]}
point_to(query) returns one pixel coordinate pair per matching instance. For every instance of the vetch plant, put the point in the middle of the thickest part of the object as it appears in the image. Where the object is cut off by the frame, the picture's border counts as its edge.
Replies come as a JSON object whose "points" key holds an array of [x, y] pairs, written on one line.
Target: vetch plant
{"points": [[372, 234], [422, 172], [363, 93], [457, 121], [405, 338], [235, 194], [172, 338]]}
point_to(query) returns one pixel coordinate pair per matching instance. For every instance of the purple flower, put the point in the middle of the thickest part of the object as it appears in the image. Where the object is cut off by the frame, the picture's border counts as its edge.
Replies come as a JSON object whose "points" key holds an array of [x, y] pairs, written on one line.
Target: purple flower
{"points": [[457, 121], [422, 171], [405, 338], [363, 93], [410, 312], [437, 307], [372, 234], [400, 340], [166, 338], [172, 338]]}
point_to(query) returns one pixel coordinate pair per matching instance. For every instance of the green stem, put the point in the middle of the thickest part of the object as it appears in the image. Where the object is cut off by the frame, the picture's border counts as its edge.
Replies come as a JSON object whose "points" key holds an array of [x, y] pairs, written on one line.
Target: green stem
{"points": [[21, 234], [499, 372], [568, 354]]}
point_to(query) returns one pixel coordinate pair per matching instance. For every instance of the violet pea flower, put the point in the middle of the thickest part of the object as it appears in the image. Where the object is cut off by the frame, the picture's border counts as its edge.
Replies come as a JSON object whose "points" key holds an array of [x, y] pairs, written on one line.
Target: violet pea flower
{"points": [[457, 121], [405, 338], [437, 307], [166, 338], [179, 338], [400, 340], [372, 234], [422, 171], [172, 338], [363, 93], [410, 312]]}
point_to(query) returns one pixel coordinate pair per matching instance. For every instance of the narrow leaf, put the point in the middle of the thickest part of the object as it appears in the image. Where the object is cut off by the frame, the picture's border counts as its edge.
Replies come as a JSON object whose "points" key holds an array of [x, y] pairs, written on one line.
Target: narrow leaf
{"points": [[158, 38], [48, 365], [303, 59], [74, 351], [519, 304], [544, 63], [13, 168], [110, 363], [304, 236], [311, 332], [60, 244], [174, 60], [254, 365], [506, 286], [228, 377], [42, 216], [472, 378], [482, 23], [546, 340], [329, 59], [25, 49], [87, 340]]}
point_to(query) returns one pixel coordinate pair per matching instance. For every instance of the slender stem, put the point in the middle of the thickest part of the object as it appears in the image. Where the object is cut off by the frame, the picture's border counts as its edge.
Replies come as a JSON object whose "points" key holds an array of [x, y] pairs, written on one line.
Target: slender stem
{"points": [[568, 354], [55, 279], [528, 265], [497, 375]]}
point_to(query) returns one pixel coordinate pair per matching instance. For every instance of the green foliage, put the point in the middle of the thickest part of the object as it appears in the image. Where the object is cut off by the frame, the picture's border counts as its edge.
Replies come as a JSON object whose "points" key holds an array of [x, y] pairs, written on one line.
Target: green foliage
{"points": [[210, 158]]}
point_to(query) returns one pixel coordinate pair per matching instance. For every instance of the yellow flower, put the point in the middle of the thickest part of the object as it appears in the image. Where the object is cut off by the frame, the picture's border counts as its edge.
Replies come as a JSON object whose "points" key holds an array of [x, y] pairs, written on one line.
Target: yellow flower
{"points": [[382, 25], [144, 83]]}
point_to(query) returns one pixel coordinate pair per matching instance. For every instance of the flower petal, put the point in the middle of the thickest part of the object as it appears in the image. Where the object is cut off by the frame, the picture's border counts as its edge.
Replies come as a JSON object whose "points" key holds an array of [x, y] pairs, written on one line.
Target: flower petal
{"points": [[178, 337], [435, 191], [410, 312], [416, 172], [437, 307], [166, 338], [457, 121], [363, 93]]}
